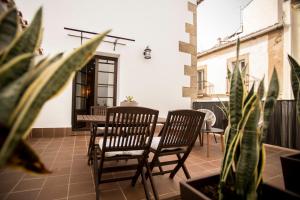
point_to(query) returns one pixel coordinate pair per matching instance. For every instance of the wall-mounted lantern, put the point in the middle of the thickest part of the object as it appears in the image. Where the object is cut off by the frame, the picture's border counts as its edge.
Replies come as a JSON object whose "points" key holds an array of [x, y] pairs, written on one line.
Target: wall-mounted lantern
{"points": [[147, 53]]}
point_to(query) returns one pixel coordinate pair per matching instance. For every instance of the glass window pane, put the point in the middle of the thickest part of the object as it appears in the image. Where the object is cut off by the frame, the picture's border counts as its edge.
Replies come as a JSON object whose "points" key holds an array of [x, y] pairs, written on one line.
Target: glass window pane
{"points": [[106, 67], [105, 78], [81, 78], [105, 102], [105, 91], [80, 90], [80, 103]]}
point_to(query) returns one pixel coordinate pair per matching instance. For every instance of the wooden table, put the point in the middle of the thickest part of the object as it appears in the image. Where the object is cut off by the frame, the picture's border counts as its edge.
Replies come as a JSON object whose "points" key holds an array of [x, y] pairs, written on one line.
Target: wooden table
{"points": [[215, 131], [101, 119]]}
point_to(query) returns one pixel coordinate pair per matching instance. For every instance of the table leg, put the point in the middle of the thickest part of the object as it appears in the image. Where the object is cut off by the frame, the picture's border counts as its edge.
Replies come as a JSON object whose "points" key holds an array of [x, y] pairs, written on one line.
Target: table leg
{"points": [[200, 139], [207, 145]]}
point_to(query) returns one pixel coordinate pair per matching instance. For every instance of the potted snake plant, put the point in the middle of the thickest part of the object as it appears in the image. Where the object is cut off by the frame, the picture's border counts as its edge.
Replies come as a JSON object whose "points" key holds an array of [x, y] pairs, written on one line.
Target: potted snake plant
{"points": [[244, 156], [26, 84], [291, 163]]}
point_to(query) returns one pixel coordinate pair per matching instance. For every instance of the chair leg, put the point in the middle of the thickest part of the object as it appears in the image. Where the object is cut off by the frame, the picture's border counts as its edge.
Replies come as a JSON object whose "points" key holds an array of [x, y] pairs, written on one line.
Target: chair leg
{"points": [[153, 163], [151, 180], [145, 185], [160, 168], [90, 146], [90, 156], [207, 153], [215, 138], [178, 166], [96, 175], [186, 172], [200, 139], [137, 173]]}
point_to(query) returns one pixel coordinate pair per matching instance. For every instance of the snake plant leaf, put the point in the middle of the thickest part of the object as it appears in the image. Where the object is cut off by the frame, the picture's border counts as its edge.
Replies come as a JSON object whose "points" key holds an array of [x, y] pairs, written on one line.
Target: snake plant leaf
{"points": [[8, 27], [235, 100], [229, 74], [295, 75], [234, 145], [27, 42], [261, 165], [250, 94], [12, 93], [249, 152], [261, 89], [12, 70], [48, 61], [271, 99], [298, 106], [24, 157], [237, 52], [43, 88]]}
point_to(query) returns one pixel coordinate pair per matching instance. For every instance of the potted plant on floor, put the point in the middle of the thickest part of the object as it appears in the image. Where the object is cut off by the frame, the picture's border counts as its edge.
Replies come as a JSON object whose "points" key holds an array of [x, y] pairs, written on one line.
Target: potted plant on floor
{"points": [[244, 157], [291, 163]]}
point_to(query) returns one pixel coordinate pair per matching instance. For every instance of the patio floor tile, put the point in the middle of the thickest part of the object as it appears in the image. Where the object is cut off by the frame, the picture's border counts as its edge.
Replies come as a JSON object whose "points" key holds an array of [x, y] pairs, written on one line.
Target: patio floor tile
{"points": [[72, 179]]}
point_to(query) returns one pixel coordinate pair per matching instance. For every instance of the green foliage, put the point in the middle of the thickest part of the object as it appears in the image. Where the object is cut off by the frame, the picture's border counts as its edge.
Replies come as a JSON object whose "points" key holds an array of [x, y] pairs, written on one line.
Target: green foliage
{"points": [[295, 80], [25, 85], [248, 118], [129, 98]]}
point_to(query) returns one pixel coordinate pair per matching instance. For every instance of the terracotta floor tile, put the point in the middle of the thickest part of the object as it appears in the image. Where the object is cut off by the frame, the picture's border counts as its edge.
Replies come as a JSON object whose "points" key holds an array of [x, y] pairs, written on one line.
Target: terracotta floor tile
{"points": [[23, 195], [81, 188], [71, 175], [85, 177], [53, 192], [57, 180], [91, 196], [30, 184], [7, 186]]}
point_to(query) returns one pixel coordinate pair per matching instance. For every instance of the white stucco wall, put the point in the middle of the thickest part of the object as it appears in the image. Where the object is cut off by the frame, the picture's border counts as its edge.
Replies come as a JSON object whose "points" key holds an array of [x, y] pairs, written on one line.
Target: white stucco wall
{"points": [[260, 14], [155, 83], [217, 63]]}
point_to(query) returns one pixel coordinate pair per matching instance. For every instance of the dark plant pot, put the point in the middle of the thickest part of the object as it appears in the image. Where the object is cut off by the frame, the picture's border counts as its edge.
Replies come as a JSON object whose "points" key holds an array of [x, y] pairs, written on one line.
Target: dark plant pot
{"points": [[189, 190], [291, 172]]}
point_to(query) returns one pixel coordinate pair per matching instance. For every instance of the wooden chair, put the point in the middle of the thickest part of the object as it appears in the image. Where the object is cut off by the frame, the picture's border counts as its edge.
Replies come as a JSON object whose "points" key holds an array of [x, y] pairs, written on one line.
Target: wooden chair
{"points": [[96, 129], [177, 138], [129, 138], [98, 110]]}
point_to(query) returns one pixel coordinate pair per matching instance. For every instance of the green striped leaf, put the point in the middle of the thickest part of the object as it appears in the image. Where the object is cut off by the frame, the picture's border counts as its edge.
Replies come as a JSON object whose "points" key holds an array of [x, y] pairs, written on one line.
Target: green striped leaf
{"points": [[27, 42], [14, 68], [250, 94], [8, 27], [261, 89], [230, 151], [235, 100], [271, 99], [261, 165], [48, 84], [249, 152], [12, 93], [295, 75], [298, 106]]}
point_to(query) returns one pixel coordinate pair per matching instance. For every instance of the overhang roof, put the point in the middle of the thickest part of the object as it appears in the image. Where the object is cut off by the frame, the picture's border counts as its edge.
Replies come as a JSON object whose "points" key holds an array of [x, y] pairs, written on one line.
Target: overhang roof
{"points": [[250, 36]]}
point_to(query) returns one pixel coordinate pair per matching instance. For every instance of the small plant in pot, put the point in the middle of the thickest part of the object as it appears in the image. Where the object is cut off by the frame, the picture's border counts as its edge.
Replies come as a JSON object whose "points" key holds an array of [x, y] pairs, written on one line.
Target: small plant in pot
{"points": [[129, 101], [244, 157], [291, 163]]}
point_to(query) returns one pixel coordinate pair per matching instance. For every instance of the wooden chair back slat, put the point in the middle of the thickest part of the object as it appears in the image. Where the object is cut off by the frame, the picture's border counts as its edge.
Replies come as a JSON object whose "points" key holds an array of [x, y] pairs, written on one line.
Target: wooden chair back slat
{"points": [[131, 128], [98, 110], [182, 128]]}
